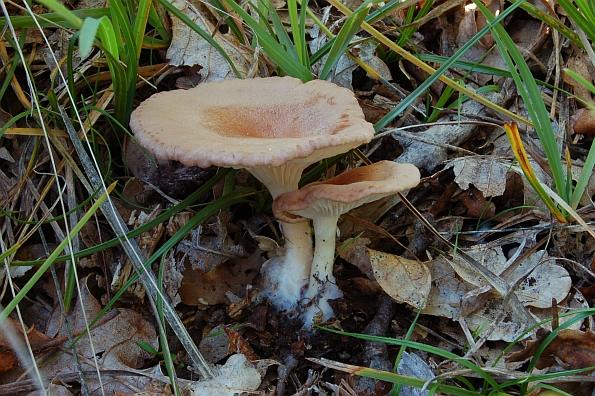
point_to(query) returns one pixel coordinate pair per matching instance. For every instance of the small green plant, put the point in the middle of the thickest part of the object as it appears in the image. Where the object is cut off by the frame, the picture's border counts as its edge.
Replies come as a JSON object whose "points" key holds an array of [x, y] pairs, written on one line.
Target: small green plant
{"points": [[159, 355], [529, 91], [491, 386]]}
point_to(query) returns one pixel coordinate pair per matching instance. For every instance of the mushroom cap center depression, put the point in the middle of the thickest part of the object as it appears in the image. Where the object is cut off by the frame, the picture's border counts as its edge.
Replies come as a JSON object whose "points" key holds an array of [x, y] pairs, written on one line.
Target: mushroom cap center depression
{"points": [[272, 122], [251, 123]]}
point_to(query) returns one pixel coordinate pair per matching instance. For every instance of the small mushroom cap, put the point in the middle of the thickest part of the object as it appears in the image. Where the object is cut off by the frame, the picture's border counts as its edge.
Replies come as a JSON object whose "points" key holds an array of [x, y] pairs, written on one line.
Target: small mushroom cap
{"points": [[250, 123], [342, 193]]}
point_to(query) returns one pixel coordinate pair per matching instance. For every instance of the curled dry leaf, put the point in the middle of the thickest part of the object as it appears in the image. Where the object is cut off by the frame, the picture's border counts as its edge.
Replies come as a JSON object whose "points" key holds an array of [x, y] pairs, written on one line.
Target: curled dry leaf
{"points": [[574, 348], [354, 252], [405, 280], [236, 376], [238, 344], [486, 173], [476, 204], [367, 54]]}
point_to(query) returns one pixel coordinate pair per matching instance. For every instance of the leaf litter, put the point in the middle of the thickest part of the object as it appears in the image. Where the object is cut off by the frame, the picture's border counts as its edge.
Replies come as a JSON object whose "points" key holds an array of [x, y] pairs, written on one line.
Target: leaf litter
{"points": [[212, 274]]}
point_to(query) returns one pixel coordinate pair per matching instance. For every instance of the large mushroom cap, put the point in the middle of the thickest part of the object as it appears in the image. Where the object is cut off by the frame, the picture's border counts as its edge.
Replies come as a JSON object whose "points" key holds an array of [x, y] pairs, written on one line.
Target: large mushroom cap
{"points": [[342, 193], [250, 123]]}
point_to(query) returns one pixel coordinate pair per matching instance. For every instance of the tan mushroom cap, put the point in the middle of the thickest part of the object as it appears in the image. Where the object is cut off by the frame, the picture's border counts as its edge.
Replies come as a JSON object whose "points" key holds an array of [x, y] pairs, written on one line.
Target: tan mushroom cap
{"points": [[250, 123], [349, 190]]}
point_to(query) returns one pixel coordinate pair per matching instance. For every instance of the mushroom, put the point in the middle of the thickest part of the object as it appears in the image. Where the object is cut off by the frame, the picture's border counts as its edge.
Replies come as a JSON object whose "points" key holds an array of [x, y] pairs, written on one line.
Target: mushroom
{"points": [[274, 127], [324, 202]]}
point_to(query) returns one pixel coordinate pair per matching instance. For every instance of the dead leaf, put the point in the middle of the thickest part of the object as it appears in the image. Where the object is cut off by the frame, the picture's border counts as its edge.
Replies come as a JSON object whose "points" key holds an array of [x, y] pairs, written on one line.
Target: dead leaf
{"points": [[8, 361], [413, 366], [448, 291], [342, 72], [577, 64], [188, 48], [354, 252], [236, 376], [405, 280], [367, 54], [238, 344], [486, 173], [209, 288], [474, 298], [545, 282], [574, 348], [583, 121], [476, 204], [215, 345], [206, 252]]}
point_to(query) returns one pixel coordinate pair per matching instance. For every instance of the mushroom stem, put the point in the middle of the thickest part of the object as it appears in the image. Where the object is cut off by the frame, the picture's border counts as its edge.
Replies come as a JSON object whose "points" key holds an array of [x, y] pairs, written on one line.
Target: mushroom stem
{"points": [[296, 265], [294, 270], [322, 285]]}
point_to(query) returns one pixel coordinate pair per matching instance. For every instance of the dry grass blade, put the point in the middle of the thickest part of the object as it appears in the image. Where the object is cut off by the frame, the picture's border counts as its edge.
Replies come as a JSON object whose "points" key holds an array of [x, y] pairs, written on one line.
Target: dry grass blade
{"points": [[135, 255]]}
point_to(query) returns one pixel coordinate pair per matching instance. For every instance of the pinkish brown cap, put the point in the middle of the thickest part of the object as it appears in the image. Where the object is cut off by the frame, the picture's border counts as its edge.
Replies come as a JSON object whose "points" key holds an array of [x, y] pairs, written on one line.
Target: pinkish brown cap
{"points": [[250, 123], [342, 193], [274, 127]]}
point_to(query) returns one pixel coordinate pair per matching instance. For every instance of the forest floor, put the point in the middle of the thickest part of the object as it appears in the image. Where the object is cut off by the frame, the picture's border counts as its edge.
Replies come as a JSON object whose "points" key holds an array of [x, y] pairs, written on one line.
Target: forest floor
{"points": [[476, 285]]}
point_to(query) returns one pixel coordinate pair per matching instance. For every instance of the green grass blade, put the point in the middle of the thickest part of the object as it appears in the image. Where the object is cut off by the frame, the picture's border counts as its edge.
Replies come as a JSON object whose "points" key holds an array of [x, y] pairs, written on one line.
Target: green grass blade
{"points": [[155, 21], [389, 8], [233, 26], [279, 55], [577, 17], [583, 180], [140, 25], [192, 25], [298, 32], [408, 32], [121, 20], [279, 30], [111, 43], [64, 12], [191, 199], [234, 197], [87, 35], [408, 101], [531, 95], [302, 33], [13, 67], [427, 348], [546, 342], [342, 40], [54, 19], [551, 21], [395, 378], [50, 260]]}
